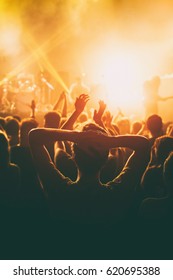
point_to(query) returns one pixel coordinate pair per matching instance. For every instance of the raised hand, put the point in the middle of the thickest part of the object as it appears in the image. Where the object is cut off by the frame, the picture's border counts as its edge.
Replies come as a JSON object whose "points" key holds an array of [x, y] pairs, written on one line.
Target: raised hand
{"points": [[98, 114], [79, 107], [108, 118], [62, 97], [80, 102]]}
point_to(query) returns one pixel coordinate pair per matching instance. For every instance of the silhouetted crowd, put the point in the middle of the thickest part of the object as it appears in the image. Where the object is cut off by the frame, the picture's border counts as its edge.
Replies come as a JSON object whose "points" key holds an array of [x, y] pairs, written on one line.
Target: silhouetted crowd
{"points": [[85, 186]]}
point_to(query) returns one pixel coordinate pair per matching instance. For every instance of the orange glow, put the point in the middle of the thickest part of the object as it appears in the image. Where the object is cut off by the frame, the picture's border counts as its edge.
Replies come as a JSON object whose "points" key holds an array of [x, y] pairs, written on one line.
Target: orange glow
{"points": [[119, 73], [10, 39], [118, 44], [42, 58], [121, 77]]}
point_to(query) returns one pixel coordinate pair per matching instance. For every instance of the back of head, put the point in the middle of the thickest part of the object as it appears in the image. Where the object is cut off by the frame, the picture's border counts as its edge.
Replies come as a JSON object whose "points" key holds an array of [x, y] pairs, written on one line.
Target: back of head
{"points": [[124, 125], [83, 117], [93, 162], [52, 119], [154, 124], [136, 126], [163, 146], [12, 126], [18, 118], [26, 125]]}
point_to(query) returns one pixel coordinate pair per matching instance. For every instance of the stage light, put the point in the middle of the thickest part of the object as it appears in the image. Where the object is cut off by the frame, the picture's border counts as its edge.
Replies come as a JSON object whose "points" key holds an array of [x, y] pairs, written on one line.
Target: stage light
{"points": [[10, 40], [120, 77]]}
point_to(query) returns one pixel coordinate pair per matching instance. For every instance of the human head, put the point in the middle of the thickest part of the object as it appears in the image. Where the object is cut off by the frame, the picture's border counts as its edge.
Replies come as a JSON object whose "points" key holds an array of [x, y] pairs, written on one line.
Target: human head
{"points": [[124, 125], [83, 117], [12, 127], [90, 164], [154, 125], [26, 125], [136, 126], [52, 119], [163, 145]]}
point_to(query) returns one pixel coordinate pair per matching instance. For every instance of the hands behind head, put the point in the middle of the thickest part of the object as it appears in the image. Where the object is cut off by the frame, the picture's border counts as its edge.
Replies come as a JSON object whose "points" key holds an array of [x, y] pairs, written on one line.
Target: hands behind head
{"points": [[93, 142], [81, 102]]}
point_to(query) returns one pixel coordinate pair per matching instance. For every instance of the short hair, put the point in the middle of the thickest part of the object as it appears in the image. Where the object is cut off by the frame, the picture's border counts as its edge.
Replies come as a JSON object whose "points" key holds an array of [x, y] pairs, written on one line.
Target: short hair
{"points": [[86, 163], [52, 119], [163, 145], [154, 123], [27, 124], [83, 117], [136, 126], [124, 125], [12, 126]]}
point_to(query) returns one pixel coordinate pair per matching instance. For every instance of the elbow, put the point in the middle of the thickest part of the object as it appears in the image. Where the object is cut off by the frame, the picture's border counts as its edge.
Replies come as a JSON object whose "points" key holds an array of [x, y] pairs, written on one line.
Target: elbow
{"points": [[33, 136], [144, 144]]}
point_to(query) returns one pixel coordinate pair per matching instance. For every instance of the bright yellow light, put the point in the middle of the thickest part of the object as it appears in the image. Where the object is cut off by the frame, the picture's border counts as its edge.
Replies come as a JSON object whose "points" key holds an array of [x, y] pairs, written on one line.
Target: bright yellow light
{"points": [[40, 55], [10, 39], [121, 77]]}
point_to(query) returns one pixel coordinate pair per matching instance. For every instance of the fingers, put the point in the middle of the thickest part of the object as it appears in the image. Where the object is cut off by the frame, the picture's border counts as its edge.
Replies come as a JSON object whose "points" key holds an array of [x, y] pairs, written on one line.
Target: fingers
{"points": [[81, 102], [102, 104], [95, 113], [84, 97]]}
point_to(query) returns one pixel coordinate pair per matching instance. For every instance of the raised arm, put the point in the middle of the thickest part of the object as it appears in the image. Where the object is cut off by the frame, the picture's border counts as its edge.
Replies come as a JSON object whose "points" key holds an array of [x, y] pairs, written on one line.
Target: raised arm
{"points": [[97, 117], [80, 104], [64, 109], [89, 141], [108, 123], [58, 102], [139, 144], [38, 138], [61, 98], [137, 162]]}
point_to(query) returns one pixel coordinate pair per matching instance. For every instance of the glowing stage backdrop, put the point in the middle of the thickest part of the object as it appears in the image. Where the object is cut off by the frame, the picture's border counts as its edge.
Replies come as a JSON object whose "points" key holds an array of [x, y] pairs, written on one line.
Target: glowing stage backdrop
{"points": [[116, 44]]}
